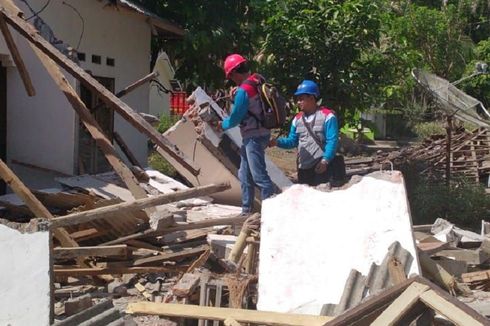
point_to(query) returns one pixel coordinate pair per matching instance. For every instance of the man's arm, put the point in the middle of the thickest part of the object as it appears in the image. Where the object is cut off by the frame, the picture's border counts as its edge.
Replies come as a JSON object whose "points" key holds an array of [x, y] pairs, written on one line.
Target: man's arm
{"points": [[291, 141], [238, 112], [331, 137]]}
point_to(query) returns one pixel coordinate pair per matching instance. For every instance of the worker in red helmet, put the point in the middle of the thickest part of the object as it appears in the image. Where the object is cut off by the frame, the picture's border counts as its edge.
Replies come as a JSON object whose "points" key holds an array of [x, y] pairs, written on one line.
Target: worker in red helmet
{"points": [[246, 113]]}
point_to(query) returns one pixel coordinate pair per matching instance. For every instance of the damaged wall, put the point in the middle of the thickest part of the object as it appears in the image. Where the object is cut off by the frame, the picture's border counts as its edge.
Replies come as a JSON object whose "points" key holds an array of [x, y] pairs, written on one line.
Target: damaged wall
{"points": [[25, 277], [312, 239], [43, 130]]}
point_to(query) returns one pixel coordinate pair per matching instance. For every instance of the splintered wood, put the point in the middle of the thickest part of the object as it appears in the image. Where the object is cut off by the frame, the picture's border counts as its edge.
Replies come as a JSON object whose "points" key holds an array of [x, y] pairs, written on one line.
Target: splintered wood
{"points": [[470, 152]]}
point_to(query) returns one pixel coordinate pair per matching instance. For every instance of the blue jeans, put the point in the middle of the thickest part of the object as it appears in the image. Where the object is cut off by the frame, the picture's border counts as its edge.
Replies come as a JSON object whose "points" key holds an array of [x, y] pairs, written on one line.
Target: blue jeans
{"points": [[253, 171]]}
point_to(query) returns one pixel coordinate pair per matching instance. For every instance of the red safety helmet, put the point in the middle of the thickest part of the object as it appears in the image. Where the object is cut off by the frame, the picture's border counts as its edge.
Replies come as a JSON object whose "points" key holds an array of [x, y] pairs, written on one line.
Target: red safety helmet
{"points": [[231, 62]]}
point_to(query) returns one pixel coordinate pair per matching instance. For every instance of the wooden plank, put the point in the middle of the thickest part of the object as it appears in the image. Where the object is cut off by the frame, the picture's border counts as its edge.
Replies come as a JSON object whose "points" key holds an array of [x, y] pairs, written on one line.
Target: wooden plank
{"points": [[130, 88], [102, 212], [19, 63], [113, 270], [450, 311], [101, 251], [87, 234], [31, 34], [214, 313], [476, 276], [170, 256], [187, 226], [401, 305]]}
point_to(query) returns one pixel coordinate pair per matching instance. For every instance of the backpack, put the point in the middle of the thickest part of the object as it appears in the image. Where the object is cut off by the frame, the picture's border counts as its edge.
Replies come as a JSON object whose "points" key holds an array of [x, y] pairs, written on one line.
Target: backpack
{"points": [[275, 109]]}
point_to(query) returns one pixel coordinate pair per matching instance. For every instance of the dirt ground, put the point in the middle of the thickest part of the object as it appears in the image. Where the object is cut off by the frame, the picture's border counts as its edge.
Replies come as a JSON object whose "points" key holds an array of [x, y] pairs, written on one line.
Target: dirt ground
{"points": [[285, 159]]}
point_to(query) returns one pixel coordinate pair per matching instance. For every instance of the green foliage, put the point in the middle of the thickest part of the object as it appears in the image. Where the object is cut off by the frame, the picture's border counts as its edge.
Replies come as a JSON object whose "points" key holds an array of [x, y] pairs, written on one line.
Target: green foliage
{"points": [[426, 129], [464, 203], [167, 121], [479, 86], [155, 160], [319, 40], [214, 29]]}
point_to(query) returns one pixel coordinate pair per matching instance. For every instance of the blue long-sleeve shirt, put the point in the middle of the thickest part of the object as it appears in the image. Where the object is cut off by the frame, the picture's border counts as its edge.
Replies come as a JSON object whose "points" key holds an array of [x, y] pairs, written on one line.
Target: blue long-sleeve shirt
{"points": [[238, 111], [331, 135]]}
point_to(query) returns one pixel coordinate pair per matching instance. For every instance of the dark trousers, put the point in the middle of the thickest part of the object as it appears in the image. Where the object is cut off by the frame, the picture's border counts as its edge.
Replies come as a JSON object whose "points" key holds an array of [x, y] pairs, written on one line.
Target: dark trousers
{"points": [[335, 174], [311, 178]]}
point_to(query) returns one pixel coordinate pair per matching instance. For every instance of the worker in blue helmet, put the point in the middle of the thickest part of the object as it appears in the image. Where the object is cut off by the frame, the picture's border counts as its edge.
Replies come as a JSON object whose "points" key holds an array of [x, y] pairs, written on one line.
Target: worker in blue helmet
{"points": [[314, 131]]}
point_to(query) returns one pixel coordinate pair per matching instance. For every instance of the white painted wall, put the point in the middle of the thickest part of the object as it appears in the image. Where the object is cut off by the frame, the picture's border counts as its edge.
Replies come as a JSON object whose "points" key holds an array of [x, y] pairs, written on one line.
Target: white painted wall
{"points": [[43, 130], [311, 240], [25, 279], [40, 129], [117, 34]]}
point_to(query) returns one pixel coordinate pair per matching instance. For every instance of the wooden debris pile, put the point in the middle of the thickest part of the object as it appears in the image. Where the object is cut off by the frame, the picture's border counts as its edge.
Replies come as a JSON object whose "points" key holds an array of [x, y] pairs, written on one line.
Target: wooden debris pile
{"points": [[469, 157]]}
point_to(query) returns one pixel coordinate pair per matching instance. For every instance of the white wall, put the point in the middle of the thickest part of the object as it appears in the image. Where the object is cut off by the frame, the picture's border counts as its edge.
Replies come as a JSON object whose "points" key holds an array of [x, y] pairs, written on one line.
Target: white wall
{"points": [[40, 129], [43, 130], [117, 34], [25, 281]]}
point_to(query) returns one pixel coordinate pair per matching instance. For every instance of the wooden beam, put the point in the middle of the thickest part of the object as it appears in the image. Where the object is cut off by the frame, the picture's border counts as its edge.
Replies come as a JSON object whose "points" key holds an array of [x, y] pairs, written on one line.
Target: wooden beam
{"points": [[476, 276], [92, 126], [401, 305], [31, 34], [19, 63], [130, 88], [102, 212], [187, 226], [113, 270], [33, 203], [170, 255], [221, 314], [446, 308], [101, 251], [125, 149]]}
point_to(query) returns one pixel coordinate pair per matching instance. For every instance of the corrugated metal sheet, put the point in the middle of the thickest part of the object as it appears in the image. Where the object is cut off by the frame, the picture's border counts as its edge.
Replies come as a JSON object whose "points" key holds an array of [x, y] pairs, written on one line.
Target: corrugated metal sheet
{"points": [[358, 287]]}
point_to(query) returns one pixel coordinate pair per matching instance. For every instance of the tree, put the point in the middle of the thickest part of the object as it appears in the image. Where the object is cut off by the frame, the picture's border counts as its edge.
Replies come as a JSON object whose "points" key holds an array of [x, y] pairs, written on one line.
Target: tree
{"points": [[320, 40], [214, 29]]}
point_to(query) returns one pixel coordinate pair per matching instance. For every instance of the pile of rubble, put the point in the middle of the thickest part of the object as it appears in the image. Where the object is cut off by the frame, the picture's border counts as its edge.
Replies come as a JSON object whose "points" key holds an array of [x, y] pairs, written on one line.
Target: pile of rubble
{"points": [[469, 156]]}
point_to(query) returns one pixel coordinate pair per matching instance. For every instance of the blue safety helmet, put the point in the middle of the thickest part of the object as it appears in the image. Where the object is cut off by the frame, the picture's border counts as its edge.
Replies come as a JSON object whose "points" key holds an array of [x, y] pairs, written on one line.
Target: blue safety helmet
{"points": [[308, 87]]}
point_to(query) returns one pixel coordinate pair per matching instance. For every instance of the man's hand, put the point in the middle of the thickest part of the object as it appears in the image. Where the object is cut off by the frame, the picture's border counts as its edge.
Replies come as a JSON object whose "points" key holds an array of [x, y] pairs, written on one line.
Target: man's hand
{"points": [[321, 167], [272, 143]]}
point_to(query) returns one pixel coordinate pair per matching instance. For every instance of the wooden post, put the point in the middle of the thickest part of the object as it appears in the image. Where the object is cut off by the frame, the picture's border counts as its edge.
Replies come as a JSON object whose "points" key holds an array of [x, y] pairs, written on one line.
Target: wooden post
{"points": [[14, 51], [102, 212], [130, 88], [125, 149], [251, 255], [449, 129], [31, 34]]}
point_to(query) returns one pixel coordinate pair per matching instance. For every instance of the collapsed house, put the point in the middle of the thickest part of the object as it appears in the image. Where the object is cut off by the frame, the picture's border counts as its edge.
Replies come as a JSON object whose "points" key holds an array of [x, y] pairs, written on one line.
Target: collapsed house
{"points": [[115, 248]]}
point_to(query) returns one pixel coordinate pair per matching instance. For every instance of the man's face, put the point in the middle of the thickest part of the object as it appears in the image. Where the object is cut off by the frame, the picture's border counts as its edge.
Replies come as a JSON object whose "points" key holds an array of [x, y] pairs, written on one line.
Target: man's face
{"points": [[236, 77], [306, 102]]}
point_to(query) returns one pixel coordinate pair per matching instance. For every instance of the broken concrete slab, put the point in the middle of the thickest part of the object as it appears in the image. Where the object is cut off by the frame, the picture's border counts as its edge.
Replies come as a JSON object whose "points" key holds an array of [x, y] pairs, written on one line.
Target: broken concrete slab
{"points": [[298, 273], [75, 305], [217, 158], [26, 277]]}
